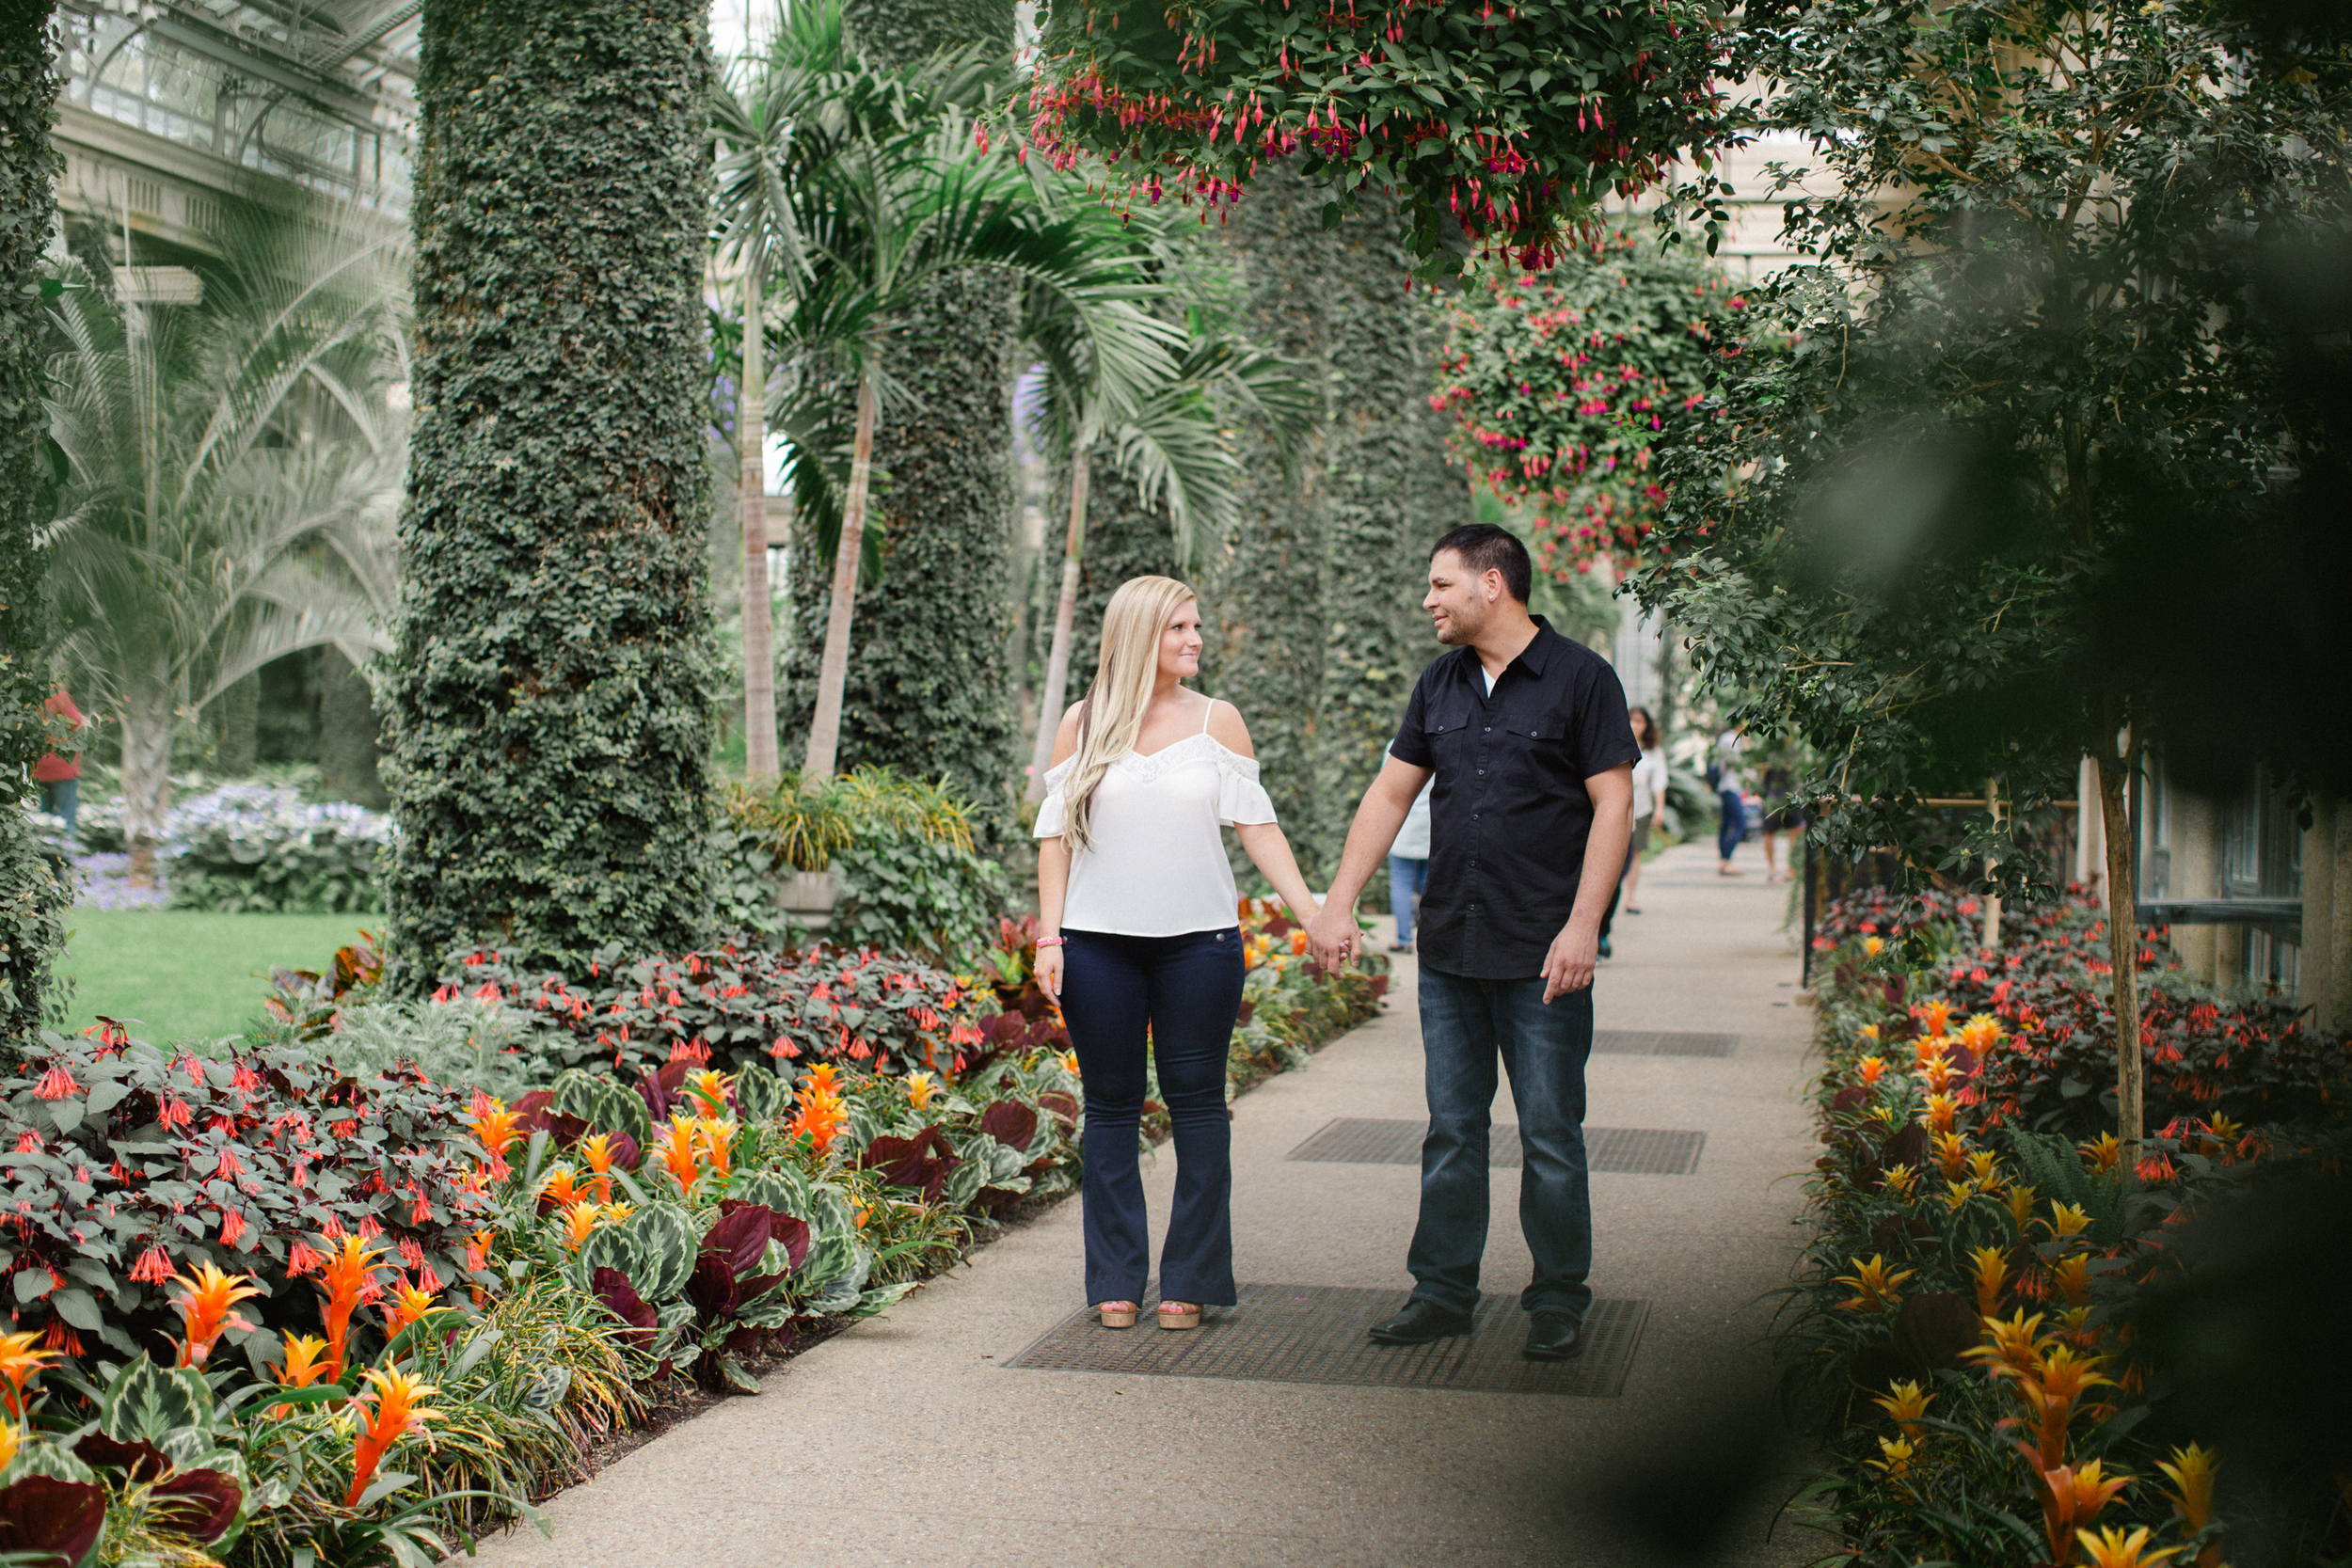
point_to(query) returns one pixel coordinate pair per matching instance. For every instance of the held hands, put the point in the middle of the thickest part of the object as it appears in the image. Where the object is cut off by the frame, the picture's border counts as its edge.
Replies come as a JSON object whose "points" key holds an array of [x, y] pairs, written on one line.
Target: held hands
{"points": [[1332, 935], [1048, 972], [1568, 966]]}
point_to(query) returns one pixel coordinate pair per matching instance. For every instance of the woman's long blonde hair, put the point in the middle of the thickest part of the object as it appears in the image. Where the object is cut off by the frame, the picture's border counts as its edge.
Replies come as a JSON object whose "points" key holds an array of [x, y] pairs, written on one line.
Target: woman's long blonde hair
{"points": [[1110, 718]]}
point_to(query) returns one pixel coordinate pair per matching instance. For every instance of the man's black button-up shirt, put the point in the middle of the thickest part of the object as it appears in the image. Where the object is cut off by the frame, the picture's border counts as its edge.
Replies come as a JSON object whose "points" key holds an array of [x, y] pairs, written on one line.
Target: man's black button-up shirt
{"points": [[1509, 814]]}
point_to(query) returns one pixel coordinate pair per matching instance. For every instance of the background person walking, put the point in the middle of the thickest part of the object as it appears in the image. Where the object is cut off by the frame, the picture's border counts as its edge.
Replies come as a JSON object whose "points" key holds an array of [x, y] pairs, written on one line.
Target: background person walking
{"points": [[1526, 736], [1408, 870], [1137, 902]]}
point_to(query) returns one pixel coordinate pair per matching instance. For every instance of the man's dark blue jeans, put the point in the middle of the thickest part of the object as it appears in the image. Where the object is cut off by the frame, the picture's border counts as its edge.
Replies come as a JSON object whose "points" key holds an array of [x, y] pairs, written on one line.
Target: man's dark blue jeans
{"points": [[1466, 1026]]}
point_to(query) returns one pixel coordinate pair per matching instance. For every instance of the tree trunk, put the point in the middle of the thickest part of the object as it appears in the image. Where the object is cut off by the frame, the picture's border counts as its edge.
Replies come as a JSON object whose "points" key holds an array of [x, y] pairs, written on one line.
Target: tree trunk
{"points": [[824, 732], [2123, 944], [759, 637], [1049, 705], [147, 726]]}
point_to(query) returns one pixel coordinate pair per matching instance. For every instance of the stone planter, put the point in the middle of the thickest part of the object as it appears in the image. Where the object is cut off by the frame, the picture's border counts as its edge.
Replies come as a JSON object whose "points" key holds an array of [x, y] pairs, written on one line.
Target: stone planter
{"points": [[808, 896]]}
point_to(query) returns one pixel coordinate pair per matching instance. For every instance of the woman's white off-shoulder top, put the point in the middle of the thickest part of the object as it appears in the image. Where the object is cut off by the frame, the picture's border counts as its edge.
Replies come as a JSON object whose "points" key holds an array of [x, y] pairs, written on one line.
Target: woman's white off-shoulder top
{"points": [[1157, 865]]}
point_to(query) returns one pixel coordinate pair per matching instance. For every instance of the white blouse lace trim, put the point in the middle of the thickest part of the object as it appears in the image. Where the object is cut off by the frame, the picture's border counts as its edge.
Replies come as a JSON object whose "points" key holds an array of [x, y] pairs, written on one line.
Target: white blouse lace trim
{"points": [[1157, 867]]}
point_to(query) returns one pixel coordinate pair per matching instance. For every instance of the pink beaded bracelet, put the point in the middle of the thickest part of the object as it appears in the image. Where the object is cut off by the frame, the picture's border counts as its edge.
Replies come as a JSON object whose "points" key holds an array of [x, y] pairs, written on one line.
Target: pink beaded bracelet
{"points": [[1053, 941]]}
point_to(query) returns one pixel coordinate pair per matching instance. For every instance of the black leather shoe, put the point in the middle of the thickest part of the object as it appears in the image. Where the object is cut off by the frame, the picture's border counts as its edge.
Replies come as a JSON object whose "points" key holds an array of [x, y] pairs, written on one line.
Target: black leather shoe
{"points": [[1421, 1322], [1554, 1337]]}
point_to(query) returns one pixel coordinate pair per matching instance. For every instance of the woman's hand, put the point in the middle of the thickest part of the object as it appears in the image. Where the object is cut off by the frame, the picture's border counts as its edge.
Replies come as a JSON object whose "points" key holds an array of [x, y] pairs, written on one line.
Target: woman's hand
{"points": [[1048, 972]]}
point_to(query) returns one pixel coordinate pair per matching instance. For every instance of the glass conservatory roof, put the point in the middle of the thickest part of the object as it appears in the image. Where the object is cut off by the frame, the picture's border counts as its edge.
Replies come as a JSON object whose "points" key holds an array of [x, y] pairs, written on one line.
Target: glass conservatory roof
{"points": [[319, 93]]}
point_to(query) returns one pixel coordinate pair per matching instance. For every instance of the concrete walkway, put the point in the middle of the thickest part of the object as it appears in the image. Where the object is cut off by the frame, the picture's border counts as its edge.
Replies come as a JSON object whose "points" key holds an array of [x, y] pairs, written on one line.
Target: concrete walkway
{"points": [[906, 1441]]}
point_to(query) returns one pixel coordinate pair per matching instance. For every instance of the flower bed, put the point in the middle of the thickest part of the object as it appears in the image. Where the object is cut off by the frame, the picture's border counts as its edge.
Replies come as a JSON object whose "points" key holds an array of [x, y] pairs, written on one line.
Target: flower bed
{"points": [[1970, 1321], [301, 1302]]}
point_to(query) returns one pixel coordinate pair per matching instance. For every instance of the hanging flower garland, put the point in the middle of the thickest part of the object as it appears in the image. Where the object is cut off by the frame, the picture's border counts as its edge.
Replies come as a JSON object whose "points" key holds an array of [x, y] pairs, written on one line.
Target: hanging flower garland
{"points": [[1559, 384], [1502, 127]]}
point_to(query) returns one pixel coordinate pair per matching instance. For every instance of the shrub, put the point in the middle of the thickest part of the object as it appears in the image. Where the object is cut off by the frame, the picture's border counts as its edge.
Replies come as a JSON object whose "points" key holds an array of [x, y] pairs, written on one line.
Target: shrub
{"points": [[909, 879], [248, 847], [127, 1165]]}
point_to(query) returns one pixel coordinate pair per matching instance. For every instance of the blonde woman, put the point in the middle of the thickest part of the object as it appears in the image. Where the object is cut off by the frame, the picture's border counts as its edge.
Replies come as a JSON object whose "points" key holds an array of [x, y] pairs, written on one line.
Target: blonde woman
{"points": [[1137, 902]]}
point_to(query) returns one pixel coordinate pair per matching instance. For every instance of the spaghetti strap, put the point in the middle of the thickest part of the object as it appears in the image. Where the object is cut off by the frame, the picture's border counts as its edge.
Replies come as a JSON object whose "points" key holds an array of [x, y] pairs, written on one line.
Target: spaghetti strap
{"points": [[1206, 714]]}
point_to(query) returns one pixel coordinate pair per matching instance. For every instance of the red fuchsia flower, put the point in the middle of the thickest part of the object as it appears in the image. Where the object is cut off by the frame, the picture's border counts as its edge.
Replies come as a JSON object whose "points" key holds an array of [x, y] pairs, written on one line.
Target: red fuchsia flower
{"points": [[230, 1168], [175, 1113], [58, 1083], [231, 1227], [28, 1143], [153, 1268], [244, 1079], [301, 1258]]}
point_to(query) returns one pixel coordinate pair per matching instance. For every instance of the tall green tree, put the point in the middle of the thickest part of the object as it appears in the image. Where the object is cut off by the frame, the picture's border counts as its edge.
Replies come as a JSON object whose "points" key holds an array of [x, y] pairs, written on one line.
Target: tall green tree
{"points": [[31, 898], [550, 712], [1955, 531]]}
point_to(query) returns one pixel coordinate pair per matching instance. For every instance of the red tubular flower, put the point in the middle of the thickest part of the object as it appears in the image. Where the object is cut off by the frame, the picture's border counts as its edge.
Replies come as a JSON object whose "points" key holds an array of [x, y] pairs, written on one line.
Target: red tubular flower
{"points": [[58, 1083], [153, 1268]]}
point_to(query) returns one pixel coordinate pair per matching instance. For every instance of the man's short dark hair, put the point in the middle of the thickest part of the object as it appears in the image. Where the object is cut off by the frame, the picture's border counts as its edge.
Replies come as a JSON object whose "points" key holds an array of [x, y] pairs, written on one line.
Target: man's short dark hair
{"points": [[1483, 547]]}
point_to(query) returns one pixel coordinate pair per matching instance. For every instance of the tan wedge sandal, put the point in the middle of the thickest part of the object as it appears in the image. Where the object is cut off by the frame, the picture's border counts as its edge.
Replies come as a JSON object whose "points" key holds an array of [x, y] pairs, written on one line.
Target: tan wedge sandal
{"points": [[1115, 1314], [1180, 1314]]}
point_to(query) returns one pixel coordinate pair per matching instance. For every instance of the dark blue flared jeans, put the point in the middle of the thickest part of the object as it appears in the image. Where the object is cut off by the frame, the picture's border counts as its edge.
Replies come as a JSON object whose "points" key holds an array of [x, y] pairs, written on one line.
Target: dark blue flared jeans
{"points": [[1466, 1025], [1186, 992]]}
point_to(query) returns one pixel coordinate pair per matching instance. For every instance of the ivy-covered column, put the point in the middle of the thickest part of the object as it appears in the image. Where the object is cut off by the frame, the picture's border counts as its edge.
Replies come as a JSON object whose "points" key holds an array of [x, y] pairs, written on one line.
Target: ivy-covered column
{"points": [[1316, 598], [549, 724], [930, 671], [32, 899]]}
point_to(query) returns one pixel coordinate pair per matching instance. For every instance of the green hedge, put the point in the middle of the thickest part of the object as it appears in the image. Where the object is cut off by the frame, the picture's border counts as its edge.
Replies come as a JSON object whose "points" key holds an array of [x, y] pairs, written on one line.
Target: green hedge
{"points": [[31, 895], [549, 718]]}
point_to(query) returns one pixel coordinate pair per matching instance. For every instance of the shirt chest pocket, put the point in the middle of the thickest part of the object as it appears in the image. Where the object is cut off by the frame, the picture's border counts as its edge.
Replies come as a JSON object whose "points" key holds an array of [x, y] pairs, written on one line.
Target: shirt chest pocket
{"points": [[1447, 734], [1538, 746]]}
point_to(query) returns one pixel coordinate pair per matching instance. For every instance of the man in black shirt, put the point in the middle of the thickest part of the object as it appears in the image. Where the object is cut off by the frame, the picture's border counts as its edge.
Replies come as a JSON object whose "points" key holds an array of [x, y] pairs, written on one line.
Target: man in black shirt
{"points": [[1527, 735]]}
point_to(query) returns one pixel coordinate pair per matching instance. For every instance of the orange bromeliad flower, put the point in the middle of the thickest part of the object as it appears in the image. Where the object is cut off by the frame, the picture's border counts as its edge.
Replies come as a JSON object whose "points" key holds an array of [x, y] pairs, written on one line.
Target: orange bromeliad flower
{"points": [[392, 1416], [495, 1129], [819, 1114], [2071, 1498], [1934, 1017], [2102, 1152], [579, 1219], [9, 1438], [710, 1086], [206, 1310], [678, 1153], [348, 1278], [559, 1190], [305, 1364], [597, 1151], [718, 1142], [1980, 1031], [824, 1078], [21, 1362], [411, 1304]]}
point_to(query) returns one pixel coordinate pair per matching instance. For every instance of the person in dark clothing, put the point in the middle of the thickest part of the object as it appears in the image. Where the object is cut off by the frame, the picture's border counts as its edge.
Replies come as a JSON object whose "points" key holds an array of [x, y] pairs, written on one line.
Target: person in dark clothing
{"points": [[1526, 735]]}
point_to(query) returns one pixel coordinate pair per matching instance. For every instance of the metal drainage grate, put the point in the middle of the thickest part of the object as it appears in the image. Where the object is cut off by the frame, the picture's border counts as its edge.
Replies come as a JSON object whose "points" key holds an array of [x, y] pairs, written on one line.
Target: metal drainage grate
{"points": [[1315, 1334], [1661, 1042], [1623, 1150]]}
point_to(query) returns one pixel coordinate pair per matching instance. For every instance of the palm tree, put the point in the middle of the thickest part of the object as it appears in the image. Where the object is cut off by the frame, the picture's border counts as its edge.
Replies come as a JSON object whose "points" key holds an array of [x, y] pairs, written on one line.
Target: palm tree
{"points": [[899, 201], [234, 472], [1173, 443], [778, 123]]}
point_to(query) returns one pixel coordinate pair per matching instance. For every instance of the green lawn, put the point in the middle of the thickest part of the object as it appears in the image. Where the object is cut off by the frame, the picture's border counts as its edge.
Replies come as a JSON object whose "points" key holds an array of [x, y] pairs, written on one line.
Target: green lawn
{"points": [[183, 971]]}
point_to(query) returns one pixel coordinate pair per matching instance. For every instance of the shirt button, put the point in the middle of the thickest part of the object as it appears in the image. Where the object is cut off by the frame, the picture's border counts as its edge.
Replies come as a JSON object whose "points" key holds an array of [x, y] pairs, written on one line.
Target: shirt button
{"points": [[1488, 730], [1482, 772]]}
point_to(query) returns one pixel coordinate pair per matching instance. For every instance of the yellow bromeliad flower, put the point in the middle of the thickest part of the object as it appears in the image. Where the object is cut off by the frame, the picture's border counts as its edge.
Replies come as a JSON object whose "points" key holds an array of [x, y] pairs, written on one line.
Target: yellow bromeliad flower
{"points": [[1898, 1179], [1873, 945], [1985, 1169], [1908, 1405], [1867, 1032], [1951, 1148], [1991, 1275], [2191, 1471], [2067, 1220], [616, 1213], [579, 1219], [2102, 1152], [2015, 1342], [2071, 1276], [1981, 1032], [920, 1088], [2112, 1549], [1956, 1194], [710, 1086], [9, 1438], [1941, 1112], [1897, 1453], [1875, 1286], [2021, 1200]]}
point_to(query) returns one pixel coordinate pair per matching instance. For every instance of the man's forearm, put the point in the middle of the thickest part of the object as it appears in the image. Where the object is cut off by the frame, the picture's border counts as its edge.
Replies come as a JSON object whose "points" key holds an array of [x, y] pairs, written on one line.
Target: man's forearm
{"points": [[1604, 863], [1377, 825]]}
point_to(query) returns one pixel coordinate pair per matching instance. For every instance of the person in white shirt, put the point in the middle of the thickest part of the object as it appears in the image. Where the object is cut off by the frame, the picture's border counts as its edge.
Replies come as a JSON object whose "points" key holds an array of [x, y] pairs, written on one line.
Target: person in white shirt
{"points": [[1137, 908], [1408, 868], [1649, 797]]}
